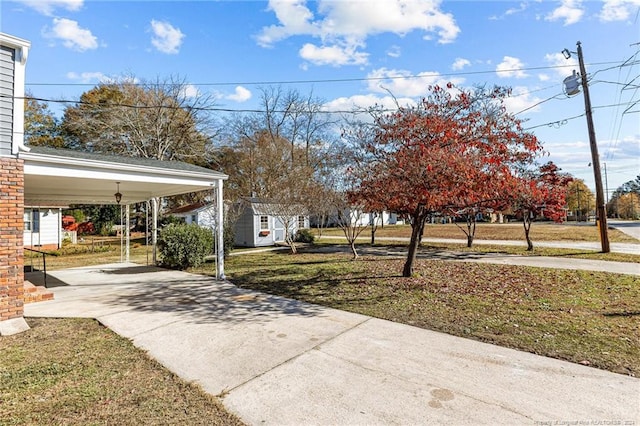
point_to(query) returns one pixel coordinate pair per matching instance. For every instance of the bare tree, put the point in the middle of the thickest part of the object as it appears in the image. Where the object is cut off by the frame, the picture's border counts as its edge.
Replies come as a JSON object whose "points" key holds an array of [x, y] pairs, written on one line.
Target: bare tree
{"points": [[349, 221]]}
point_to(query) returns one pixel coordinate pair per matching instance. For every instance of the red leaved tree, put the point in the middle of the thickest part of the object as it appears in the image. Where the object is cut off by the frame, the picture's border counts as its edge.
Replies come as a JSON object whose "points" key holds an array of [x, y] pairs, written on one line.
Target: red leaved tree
{"points": [[540, 193], [455, 148]]}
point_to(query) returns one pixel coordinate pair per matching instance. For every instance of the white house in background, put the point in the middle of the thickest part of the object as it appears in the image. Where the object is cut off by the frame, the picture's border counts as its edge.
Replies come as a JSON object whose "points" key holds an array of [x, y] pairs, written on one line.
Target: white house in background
{"points": [[42, 227], [203, 214], [360, 218], [257, 227]]}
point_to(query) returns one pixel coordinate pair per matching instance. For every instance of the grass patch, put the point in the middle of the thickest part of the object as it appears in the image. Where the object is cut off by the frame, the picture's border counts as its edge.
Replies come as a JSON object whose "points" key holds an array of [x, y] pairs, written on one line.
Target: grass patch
{"points": [[75, 371], [84, 255], [540, 231], [585, 317]]}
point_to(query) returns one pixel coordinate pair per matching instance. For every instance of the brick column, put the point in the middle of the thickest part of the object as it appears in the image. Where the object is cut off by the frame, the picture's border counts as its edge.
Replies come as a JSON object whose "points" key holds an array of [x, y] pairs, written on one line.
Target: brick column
{"points": [[11, 246]]}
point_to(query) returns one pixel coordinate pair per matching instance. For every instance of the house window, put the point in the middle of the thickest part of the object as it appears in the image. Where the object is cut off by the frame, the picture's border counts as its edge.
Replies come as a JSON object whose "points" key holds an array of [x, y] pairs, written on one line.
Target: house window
{"points": [[194, 218], [264, 223], [32, 220], [301, 222]]}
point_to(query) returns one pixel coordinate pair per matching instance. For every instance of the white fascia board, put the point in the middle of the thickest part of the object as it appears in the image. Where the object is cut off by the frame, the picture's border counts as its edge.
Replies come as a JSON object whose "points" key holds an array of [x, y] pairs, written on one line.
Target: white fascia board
{"points": [[79, 164], [115, 175], [13, 41]]}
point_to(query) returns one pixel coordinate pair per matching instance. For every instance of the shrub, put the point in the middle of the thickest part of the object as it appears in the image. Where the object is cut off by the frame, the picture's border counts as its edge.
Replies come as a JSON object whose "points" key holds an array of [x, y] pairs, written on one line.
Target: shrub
{"points": [[304, 236], [183, 246], [229, 237]]}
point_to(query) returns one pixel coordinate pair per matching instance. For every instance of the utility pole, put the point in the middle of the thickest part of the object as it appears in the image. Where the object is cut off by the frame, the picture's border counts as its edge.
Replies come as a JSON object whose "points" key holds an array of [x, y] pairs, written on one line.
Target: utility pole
{"points": [[601, 208]]}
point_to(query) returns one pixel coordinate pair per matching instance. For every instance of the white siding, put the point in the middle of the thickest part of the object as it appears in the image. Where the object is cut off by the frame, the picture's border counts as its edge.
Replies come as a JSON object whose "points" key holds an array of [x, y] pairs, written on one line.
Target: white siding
{"points": [[50, 231]]}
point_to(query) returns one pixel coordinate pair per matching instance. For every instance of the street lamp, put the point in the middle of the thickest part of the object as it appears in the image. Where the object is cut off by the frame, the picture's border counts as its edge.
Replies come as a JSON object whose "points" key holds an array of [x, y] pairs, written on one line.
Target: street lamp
{"points": [[601, 208]]}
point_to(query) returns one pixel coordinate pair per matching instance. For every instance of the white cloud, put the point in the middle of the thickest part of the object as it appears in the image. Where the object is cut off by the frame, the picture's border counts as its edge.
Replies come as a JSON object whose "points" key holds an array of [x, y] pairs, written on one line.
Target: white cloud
{"points": [[563, 67], [99, 77], [333, 55], [510, 67], [347, 24], [544, 77], [241, 94], [460, 63], [166, 38], [570, 11], [394, 51], [521, 99], [190, 91], [72, 36], [617, 10], [404, 83], [47, 7], [512, 11], [87, 77], [626, 148], [362, 102]]}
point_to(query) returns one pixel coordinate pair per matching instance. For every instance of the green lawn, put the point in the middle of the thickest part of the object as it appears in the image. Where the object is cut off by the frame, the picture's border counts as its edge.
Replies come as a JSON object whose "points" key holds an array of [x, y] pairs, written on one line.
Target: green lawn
{"points": [[77, 372]]}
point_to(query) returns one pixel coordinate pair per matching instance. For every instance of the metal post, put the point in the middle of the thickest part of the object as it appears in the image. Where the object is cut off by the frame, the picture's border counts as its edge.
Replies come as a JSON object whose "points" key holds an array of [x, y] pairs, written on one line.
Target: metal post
{"points": [[220, 223], [601, 208], [154, 229], [127, 250]]}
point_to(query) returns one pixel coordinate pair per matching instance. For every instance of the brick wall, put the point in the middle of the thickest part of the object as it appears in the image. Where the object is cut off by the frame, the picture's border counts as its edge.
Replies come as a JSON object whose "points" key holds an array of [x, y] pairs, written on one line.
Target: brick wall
{"points": [[11, 231]]}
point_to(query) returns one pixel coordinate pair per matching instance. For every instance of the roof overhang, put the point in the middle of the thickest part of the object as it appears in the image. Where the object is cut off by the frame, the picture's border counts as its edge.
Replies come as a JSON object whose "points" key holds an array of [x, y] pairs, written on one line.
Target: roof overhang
{"points": [[53, 179]]}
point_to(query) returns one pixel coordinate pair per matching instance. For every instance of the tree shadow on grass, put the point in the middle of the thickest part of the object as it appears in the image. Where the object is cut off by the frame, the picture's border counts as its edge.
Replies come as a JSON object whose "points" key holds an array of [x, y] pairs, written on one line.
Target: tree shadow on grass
{"points": [[622, 314]]}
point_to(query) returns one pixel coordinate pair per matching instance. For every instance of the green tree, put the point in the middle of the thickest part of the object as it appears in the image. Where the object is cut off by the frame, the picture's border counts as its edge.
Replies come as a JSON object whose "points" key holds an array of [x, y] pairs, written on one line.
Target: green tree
{"points": [[580, 200], [41, 127], [163, 120]]}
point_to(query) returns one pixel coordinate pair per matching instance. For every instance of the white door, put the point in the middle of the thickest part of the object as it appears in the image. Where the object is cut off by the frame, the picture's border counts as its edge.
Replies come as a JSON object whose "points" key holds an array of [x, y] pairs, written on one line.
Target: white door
{"points": [[278, 230]]}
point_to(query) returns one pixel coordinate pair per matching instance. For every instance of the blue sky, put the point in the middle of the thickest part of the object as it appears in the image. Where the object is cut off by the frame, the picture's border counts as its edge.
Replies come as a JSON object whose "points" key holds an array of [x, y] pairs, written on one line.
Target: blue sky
{"points": [[232, 48]]}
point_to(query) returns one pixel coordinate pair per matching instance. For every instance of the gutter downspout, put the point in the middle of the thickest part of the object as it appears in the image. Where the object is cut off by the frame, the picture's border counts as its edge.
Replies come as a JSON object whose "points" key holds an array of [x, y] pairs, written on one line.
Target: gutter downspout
{"points": [[18, 107]]}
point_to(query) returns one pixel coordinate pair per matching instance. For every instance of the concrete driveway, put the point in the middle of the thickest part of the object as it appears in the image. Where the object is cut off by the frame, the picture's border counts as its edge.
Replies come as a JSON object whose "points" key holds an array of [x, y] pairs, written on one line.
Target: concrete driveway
{"points": [[282, 362]]}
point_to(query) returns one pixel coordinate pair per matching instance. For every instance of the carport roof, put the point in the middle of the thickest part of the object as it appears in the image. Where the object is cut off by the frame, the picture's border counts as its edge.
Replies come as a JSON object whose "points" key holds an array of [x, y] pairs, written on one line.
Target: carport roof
{"points": [[61, 177]]}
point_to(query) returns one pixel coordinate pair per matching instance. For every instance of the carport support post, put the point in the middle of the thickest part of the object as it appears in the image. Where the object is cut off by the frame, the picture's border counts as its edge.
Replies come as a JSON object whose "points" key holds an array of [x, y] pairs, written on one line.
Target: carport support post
{"points": [[127, 234], [154, 229], [220, 222]]}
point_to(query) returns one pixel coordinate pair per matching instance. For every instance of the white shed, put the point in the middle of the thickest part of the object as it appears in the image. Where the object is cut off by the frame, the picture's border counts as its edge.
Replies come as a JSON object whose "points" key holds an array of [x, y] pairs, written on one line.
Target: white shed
{"points": [[257, 226]]}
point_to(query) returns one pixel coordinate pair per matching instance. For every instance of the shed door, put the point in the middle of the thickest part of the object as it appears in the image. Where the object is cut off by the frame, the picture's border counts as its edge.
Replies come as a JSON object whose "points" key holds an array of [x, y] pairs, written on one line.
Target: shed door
{"points": [[278, 230]]}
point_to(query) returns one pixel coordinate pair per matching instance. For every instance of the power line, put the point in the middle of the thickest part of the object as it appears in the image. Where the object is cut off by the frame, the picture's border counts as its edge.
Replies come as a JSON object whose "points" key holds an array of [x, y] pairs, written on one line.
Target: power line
{"points": [[217, 109], [563, 121], [347, 80]]}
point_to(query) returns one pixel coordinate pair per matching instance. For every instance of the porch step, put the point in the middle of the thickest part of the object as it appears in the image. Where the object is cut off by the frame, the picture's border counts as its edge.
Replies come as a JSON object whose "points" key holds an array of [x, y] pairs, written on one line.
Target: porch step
{"points": [[33, 293]]}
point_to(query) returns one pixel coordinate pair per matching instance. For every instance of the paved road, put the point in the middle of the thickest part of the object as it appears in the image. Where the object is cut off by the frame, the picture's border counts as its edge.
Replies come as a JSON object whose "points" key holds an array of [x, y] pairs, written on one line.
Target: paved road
{"points": [[277, 361], [629, 227]]}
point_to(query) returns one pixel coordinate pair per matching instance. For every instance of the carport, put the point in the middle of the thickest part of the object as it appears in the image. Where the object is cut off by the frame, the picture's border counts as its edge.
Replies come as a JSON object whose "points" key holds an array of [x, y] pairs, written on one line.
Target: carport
{"points": [[59, 177]]}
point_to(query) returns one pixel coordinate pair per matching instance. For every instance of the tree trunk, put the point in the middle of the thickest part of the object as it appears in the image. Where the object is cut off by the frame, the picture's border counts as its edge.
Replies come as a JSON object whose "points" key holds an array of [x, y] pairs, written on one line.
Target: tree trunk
{"points": [[373, 235], [288, 239], [417, 228], [527, 227], [471, 229], [352, 245]]}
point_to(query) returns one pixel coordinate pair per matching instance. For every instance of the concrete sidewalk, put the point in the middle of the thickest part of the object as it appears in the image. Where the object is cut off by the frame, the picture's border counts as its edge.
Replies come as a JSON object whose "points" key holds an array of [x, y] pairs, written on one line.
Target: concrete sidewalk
{"points": [[558, 262], [626, 248], [282, 362]]}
